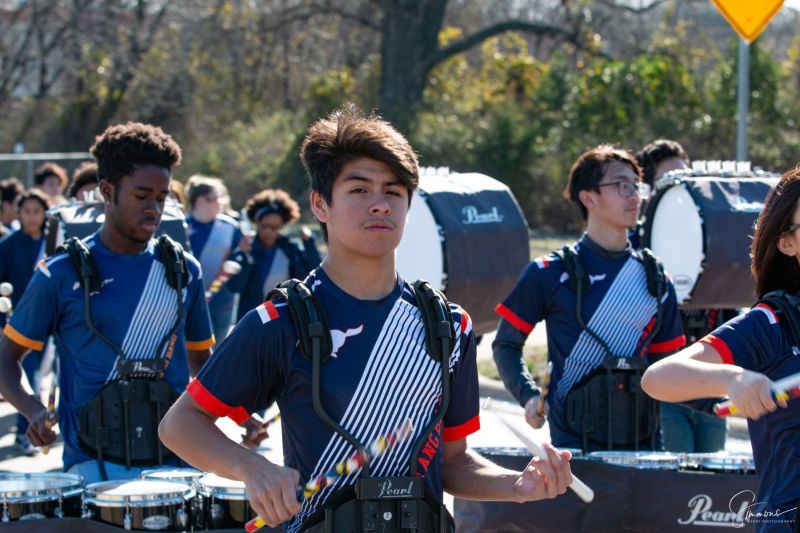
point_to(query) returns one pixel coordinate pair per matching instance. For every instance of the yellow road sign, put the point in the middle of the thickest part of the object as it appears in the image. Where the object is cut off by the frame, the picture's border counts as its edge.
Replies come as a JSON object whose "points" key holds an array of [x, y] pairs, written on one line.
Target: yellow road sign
{"points": [[748, 17]]}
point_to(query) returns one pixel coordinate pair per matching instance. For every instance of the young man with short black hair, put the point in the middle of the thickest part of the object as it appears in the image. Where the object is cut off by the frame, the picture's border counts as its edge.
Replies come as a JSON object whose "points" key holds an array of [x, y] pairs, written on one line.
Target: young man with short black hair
{"points": [[363, 174], [133, 311], [601, 307]]}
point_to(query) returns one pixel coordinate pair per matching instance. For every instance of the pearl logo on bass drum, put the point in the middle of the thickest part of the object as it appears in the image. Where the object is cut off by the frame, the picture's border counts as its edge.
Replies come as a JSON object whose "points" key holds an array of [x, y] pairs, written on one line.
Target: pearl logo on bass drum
{"points": [[473, 216]]}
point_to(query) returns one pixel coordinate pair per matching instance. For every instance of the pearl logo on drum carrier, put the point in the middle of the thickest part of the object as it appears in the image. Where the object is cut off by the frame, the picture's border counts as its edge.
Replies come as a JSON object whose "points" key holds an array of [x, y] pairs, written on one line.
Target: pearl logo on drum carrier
{"points": [[473, 216], [388, 491]]}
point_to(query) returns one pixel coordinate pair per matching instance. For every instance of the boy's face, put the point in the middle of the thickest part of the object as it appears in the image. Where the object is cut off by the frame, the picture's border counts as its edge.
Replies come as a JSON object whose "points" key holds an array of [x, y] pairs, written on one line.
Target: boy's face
{"points": [[8, 213], [31, 215], [668, 165], [367, 212], [135, 204], [617, 203], [51, 186]]}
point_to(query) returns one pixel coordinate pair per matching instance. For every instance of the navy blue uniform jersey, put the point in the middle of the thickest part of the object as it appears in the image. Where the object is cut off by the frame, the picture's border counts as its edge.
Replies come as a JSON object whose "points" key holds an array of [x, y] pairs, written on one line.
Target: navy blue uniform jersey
{"points": [[19, 255], [761, 340], [378, 375], [617, 307], [135, 308]]}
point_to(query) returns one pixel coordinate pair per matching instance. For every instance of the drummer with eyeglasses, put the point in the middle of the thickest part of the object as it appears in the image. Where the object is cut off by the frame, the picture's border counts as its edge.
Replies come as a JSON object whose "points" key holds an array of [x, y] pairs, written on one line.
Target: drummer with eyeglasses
{"points": [[753, 359], [609, 311]]}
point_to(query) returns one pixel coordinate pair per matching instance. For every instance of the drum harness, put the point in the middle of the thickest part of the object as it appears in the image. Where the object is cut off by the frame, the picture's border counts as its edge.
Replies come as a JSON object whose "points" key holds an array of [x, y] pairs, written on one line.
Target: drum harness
{"points": [[121, 422], [608, 405], [366, 506]]}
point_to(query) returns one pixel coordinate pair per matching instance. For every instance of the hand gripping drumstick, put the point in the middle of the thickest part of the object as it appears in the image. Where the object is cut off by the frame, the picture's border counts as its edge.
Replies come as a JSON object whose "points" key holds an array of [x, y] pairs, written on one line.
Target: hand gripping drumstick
{"points": [[229, 269], [51, 411], [783, 389], [264, 425], [545, 389], [581, 489], [356, 460]]}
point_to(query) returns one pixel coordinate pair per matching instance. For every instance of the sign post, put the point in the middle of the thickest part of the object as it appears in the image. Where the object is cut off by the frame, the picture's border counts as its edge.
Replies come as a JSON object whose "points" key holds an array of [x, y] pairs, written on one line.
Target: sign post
{"points": [[748, 18]]}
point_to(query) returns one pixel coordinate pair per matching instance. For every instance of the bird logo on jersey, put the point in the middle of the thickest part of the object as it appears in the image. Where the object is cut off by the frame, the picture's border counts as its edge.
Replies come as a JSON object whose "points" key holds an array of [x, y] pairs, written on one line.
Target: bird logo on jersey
{"points": [[340, 337]]}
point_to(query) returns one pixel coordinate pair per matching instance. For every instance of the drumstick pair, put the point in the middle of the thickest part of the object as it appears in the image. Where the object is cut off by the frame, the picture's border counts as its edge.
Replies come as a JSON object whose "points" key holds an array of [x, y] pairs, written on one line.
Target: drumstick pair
{"points": [[728, 409], [545, 389], [355, 461]]}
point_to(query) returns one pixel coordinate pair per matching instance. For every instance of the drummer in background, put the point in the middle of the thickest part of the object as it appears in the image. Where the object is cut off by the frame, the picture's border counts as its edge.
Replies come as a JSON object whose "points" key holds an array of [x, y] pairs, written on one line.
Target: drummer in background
{"points": [[213, 237], [19, 254], [52, 180], [683, 429], [616, 304], [134, 308], [742, 358], [10, 189], [84, 181], [271, 257]]}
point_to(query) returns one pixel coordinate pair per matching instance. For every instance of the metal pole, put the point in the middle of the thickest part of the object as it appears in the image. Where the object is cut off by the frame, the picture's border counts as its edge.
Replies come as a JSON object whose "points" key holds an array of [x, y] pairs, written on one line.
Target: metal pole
{"points": [[743, 97]]}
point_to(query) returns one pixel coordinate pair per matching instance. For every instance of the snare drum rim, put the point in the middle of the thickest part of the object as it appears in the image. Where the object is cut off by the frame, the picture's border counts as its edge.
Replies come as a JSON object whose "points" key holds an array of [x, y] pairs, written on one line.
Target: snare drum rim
{"points": [[181, 494], [44, 494], [181, 474], [223, 493]]}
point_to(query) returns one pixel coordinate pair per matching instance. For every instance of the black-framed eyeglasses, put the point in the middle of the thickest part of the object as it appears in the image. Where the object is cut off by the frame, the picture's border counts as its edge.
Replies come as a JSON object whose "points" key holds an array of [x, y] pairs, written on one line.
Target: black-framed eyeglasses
{"points": [[627, 189], [792, 227]]}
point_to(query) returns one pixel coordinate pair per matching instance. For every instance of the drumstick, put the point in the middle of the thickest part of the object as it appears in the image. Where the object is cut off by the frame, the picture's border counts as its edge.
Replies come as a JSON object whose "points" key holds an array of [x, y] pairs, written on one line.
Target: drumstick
{"points": [[229, 269], [51, 411], [264, 425], [581, 489], [545, 389], [355, 461]]}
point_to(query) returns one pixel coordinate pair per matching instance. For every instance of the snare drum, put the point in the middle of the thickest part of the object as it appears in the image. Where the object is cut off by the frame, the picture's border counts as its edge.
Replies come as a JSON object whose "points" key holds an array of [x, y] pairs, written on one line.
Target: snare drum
{"points": [[722, 462], [701, 228], [142, 504], [520, 452], [640, 460], [35, 496], [222, 503], [187, 476], [467, 236]]}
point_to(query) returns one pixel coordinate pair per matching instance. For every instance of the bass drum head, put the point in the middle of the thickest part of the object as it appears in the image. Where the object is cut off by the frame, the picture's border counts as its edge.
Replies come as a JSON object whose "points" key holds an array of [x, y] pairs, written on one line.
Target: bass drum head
{"points": [[420, 254], [467, 236], [676, 236]]}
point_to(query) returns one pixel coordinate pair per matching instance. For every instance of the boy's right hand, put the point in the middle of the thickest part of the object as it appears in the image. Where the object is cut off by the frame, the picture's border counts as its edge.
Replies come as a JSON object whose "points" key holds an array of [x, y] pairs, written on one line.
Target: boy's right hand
{"points": [[272, 491], [531, 417], [39, 428]]}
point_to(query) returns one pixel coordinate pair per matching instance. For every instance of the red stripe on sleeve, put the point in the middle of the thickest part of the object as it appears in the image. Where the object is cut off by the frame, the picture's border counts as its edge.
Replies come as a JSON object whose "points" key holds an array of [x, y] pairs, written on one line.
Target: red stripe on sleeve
{"points": [[513, 319], [271, 311], [668, 346], [459, 432], [464, 320], [213, 405], [721, 348]]}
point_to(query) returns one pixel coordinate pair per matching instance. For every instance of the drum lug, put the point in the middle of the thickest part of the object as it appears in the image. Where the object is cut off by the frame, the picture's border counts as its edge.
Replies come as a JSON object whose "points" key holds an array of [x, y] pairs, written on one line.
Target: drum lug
{"points": [[5, 518], [181, 518], [59, 513], [86, 513], [127, 521]]}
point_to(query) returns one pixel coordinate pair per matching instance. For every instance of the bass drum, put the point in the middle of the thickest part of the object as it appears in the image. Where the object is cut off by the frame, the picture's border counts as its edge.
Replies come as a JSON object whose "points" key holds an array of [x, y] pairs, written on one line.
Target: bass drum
{"points": [[81, 219], [701, 228], [467, 236]]}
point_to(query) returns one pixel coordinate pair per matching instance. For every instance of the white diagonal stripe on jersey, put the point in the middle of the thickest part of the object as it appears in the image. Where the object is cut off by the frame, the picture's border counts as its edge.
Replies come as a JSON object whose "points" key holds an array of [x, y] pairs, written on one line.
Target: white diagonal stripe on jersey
{"points": [[619, 320], [398, 362], [154, 316]]}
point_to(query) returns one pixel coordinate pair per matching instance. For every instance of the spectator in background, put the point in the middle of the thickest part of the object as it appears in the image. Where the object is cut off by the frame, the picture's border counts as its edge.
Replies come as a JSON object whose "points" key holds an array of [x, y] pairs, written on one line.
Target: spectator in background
{"points": [[213, 236], [683, 429], [10, 189], [52, 180], [84, 181], [178, 193], [271, 257], [20, 252]]}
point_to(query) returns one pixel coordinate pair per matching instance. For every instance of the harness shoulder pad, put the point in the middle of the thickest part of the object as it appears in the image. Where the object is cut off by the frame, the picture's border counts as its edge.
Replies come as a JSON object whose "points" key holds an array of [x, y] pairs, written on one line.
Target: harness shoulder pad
{"points": [[789, 304], [440, 337], [171, 253], [307, 316], [574, 267], [83, 263], [654, 271]]}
